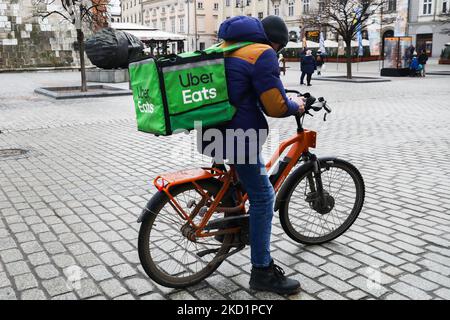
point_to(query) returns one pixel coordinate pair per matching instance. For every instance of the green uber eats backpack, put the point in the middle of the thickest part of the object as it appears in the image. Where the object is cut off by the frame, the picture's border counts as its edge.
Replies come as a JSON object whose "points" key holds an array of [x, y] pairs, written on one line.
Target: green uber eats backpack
{"points": [[173, 92]]}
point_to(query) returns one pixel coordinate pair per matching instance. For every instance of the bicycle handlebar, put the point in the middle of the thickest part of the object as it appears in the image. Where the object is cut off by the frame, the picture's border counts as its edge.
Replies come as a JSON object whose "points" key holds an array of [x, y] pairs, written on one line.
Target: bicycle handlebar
{"points": [[311, 102]]}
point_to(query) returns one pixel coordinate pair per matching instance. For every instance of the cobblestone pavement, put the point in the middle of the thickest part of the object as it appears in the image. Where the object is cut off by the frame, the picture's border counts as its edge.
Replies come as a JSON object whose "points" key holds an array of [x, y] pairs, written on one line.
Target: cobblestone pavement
{"points": [[70, 205]]}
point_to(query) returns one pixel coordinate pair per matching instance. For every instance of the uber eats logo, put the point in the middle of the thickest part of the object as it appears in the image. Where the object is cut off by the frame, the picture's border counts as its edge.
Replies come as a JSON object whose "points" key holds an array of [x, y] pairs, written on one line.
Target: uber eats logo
{"points": [[190, 80], [144, 104]]}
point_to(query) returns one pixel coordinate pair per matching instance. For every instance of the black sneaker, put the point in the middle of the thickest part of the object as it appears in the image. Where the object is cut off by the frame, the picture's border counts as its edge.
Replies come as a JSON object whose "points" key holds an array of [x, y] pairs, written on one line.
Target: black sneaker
{"points": [[273, 279]]}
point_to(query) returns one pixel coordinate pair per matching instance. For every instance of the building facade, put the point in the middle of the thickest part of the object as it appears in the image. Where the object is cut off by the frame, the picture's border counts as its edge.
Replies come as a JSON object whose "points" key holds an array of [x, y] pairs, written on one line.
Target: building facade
{"points": [[115, 11], [293, 11], [198, 20], [290, 10], [132, 11], [429, 25]]}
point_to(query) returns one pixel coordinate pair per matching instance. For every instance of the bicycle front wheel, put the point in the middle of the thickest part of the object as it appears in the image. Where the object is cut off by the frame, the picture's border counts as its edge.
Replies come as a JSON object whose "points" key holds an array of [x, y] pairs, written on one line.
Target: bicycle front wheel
{"points": [[304, 221], [166, 254]]}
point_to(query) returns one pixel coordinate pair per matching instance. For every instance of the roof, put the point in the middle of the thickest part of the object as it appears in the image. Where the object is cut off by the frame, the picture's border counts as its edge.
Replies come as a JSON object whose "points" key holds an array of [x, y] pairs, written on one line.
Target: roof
{"points": [[145, 33]]}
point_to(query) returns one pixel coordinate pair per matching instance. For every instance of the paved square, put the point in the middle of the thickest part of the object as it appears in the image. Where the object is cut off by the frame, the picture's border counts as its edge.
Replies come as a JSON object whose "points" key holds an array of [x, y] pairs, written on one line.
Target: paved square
{"points": [[68, 208]]}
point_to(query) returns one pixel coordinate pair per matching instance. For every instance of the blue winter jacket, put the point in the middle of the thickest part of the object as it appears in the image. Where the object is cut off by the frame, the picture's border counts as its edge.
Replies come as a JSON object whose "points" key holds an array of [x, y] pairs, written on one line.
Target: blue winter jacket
{"points": [[253, 77], [308, 64], [414, 63]]}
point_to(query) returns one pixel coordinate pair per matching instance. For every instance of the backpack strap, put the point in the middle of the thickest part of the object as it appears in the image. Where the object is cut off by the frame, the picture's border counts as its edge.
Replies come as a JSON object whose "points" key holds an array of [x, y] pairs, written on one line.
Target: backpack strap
{"points": [[235, 46]]}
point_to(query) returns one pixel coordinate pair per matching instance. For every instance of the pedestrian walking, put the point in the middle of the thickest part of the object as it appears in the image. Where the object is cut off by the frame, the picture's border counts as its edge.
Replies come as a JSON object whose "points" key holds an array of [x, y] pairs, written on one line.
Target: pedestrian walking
{"points": [[308, 66], [319, 62], [423, 58]]}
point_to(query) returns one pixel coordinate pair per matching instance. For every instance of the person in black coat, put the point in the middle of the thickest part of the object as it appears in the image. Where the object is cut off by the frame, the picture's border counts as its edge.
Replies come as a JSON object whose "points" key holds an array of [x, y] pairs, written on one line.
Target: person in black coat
{"points": [[423, 58], [308, 66]]}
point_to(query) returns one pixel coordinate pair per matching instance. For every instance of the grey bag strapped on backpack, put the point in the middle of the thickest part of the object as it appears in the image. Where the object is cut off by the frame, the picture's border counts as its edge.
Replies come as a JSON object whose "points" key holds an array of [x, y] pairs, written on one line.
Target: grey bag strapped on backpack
{"points": [[112, 49]]}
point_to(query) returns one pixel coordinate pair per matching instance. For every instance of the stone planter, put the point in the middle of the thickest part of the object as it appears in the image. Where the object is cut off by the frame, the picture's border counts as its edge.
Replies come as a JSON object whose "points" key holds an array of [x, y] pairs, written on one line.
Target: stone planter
{"points": [[107, 76], [94, 91]]}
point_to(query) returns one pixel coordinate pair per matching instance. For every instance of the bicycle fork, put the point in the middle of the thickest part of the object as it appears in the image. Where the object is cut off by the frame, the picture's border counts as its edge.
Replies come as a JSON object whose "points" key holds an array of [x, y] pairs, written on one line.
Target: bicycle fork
{"points": [[318, 198]]}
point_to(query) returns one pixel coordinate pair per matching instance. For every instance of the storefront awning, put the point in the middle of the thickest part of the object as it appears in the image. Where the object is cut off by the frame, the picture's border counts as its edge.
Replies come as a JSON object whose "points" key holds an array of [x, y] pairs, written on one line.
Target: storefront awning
{"points": [[331, 44], [297, 45], [145, 33]]}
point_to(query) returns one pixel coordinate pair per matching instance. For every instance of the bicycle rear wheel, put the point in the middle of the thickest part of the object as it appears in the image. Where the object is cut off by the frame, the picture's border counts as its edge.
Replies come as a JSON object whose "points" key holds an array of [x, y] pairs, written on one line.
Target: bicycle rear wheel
{"points": [[168, 256], [344, 189]]}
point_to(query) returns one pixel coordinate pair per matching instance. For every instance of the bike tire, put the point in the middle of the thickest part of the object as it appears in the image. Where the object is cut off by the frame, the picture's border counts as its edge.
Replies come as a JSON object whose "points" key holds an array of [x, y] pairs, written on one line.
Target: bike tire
{"points": [[298, 176], [158, 202]]}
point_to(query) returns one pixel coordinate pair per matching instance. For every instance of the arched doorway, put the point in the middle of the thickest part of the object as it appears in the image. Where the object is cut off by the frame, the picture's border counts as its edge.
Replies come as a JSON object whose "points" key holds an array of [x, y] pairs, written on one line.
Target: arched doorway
{"points": [[386, 34]]}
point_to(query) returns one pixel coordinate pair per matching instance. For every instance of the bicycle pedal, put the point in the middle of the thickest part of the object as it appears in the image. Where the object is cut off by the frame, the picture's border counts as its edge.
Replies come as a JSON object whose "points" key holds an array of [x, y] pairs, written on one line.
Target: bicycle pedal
{"points": [[191, 203], [202, 212]]}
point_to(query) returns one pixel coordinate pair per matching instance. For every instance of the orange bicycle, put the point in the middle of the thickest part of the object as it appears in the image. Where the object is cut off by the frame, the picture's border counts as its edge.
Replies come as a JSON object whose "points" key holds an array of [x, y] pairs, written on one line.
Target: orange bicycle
{"points": [[198, 217]]}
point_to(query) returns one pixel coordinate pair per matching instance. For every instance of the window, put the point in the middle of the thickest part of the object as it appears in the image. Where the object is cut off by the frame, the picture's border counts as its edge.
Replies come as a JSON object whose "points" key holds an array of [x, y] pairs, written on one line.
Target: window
{"points": [[172, 24], [216, 6], [200, 5], [427, 4], [445, 6], [163, 25], [201, 24], [291, 9], [260, 15], [227, 3], [182, 25], [305, 6], [276, 9], [321, 6], [391, 5], [202, 46]]}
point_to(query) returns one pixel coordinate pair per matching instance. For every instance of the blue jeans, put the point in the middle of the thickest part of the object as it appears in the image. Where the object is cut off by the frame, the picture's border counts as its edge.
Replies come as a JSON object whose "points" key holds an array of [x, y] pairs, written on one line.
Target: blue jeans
{"points": [[261, 197]]}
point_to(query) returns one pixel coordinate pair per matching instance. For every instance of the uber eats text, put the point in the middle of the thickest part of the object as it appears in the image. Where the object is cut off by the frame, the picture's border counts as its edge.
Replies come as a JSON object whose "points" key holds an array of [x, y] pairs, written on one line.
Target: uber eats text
{"points": [[190, 80], [144, 104]]}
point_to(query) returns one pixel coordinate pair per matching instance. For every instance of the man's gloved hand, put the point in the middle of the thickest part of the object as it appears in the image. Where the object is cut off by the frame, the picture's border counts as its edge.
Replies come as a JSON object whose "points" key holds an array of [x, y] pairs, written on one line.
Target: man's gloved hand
{"points": [[300, 101]]}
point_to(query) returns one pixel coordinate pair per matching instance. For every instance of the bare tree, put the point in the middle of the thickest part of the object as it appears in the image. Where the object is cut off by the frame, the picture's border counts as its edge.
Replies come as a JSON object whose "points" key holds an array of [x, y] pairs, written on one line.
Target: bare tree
{"points": [[92, 14], [344, 17]]}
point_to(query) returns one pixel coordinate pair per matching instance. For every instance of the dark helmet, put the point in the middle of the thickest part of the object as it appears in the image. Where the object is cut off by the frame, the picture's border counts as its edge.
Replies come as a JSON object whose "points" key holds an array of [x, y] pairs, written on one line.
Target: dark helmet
{"points": [[276, 30]]}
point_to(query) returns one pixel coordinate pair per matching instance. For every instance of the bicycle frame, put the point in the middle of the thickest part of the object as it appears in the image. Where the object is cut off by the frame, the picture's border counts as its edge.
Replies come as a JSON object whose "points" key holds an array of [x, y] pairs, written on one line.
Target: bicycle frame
{"points": [[299, 144]]}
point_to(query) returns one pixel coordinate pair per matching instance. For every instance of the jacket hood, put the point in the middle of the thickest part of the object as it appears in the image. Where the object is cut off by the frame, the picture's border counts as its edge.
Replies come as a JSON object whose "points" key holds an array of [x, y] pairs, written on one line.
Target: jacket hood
{"points": [[242, 28]]}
